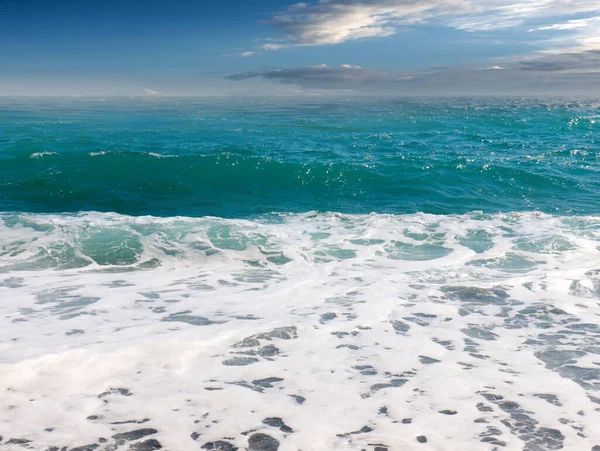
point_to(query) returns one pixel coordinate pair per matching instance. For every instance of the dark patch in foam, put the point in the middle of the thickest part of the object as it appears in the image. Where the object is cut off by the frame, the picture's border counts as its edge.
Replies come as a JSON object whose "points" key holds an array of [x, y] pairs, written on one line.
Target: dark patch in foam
{"points": [[483, 408], [90, 447], [477, 296], [134, 435], [298, 399], [147, 445], [327, 317], [265, 351], [472, 348], [282, 333], [445, 343], [466, 366], [13, 282], [262, 442], [219, 445], [552, 399], [277, 422], [428, 360], [64, 303], [254, 341], [240, 361], [340, 334], [481, 334], [393, 383], [74, 332], [493, 441], [400, 327], [562, 361], [258, 385], [363, 430], [184, 317], [365, 370], [150, 295], [417, 321], [525, 427], [247, 385], [586, 377], [118, 284], [145, 420], [425, 315], [349, 346], [542, 316], [246, 317], [18, 441], [267, 382], [116, 391]]}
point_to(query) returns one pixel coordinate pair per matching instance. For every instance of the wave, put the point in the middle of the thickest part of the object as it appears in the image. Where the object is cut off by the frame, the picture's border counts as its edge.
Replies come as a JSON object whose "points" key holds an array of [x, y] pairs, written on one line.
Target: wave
{"points": [[500, 245], [242, 158], [235, 185]]}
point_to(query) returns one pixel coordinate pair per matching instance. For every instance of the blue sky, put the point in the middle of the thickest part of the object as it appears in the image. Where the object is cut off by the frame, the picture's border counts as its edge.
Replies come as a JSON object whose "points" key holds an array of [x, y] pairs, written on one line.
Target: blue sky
{"points": [[232, 47]]}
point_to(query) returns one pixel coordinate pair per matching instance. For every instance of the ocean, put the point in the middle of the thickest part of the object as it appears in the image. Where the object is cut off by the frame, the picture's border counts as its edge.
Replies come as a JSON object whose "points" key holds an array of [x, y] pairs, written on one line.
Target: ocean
{"points": [[380, 274]]}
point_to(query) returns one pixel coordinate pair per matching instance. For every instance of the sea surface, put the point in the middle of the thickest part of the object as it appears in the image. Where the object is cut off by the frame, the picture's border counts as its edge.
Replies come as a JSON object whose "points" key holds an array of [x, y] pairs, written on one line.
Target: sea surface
{"points": [[295, 274]]}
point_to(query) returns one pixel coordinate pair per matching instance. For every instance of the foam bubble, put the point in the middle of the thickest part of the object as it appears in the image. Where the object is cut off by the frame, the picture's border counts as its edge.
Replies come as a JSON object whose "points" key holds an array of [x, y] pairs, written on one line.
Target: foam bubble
{"points": [[302, 331]]}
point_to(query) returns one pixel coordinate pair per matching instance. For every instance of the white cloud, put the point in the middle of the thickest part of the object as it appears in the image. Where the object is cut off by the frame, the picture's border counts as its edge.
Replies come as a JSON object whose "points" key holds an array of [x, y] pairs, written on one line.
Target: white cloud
{"points": [[246, 54], [569, 25], [273, 46], [578, 35], [338, 21], [151, 92]]}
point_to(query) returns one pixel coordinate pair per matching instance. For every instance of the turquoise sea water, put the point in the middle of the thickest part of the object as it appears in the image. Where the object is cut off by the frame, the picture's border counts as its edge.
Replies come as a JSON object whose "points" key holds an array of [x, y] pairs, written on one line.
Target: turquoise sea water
{"points": [[241, 158], [300, 274]]}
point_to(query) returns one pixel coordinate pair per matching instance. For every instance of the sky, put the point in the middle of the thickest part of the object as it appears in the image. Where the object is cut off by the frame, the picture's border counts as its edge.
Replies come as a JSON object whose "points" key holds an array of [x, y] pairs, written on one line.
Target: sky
{"points": [[266, 47]]}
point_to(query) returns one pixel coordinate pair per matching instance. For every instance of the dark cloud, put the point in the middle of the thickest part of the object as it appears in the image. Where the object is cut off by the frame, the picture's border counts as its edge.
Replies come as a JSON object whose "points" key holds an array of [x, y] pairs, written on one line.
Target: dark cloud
{"points": [[325, 77], [574, 61], [244, 76], [519, 78]]}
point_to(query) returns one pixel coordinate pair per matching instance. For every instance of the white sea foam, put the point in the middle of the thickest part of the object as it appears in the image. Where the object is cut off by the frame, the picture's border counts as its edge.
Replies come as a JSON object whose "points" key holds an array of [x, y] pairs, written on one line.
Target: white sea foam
{"points": [[320, 331], [161, 155], [36, 155]]}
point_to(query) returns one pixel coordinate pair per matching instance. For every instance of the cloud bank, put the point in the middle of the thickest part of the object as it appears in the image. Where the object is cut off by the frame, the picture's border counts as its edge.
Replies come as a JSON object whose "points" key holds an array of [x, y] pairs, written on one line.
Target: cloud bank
{"points": [[571, 62], [567, 74], [326, 77]]}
